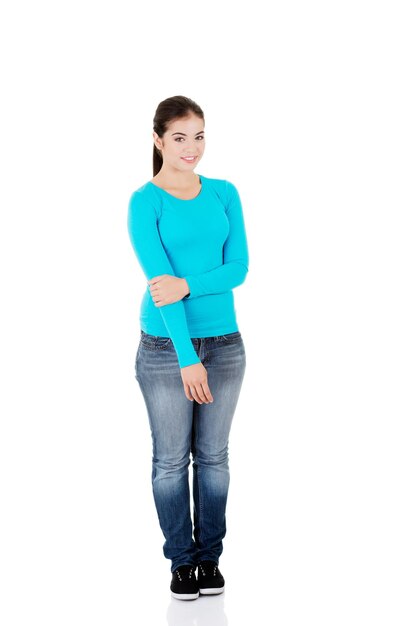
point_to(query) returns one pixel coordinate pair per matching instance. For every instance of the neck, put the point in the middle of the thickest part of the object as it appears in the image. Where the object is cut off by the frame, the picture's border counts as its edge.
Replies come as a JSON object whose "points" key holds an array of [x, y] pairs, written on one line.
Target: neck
{"points": [[176, 178]]}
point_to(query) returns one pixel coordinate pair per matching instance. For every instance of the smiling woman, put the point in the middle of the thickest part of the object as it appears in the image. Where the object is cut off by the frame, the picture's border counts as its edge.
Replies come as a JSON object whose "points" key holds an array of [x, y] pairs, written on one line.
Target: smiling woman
{"points": [[188, 234], [184, 143]]}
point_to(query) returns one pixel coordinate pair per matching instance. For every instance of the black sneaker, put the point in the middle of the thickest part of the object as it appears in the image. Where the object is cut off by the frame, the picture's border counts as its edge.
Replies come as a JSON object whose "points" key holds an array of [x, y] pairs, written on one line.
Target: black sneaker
{"points": [[209, 578], [184, 584]]}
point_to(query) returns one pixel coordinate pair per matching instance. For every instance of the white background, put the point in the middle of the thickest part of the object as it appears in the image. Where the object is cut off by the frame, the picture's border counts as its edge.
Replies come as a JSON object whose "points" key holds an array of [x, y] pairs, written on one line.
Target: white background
{"points": [[311, 112]]}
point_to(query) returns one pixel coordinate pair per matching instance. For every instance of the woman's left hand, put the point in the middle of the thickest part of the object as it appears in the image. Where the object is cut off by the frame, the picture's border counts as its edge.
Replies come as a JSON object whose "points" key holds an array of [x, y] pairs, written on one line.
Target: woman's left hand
{"points": [[166, 289]]}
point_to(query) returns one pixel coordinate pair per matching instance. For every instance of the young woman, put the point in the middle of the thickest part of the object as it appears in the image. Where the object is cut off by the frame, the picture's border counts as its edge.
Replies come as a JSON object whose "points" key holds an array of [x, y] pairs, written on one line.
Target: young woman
{"points": [[188, 234]]}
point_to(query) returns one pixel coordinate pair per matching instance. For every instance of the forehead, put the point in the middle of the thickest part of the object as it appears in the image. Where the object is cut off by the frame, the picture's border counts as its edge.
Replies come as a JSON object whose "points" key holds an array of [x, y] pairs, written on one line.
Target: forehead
{"points": [[190, 124]]}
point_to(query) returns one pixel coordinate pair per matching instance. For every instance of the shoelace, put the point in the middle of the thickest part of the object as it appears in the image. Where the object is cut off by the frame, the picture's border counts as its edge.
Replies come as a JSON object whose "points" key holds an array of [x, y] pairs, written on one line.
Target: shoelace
{"points": [[203, 571], [190, 573]]}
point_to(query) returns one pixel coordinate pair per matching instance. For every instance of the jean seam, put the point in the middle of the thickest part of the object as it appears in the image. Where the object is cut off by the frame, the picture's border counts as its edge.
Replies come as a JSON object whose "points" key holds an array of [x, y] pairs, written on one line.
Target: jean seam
{"points": [[236, 338], [199, 485], [155, 348]]}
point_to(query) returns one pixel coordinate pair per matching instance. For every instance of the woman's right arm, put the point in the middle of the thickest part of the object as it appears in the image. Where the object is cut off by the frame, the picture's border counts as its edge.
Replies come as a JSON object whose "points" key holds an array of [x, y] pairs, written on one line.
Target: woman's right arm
{"points": [[145, 238]]}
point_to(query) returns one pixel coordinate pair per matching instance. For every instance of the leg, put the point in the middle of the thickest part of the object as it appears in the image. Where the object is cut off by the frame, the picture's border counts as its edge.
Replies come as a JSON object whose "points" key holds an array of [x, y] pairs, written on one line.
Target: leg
{"points": [[212, 422], [170, 416]]}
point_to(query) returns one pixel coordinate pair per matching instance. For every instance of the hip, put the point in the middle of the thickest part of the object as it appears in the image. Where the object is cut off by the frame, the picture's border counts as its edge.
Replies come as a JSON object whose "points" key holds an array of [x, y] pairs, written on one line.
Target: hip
{"points": [[224, 352]]}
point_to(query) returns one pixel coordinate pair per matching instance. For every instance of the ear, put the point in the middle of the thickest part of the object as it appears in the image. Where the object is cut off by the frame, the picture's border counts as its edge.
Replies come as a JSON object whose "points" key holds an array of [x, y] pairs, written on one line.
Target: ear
{"points": [[157, 140]]}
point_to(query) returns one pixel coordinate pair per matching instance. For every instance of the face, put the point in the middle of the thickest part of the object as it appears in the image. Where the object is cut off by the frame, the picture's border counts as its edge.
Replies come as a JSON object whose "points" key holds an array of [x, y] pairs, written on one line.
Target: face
{"points": [[183, 138]]}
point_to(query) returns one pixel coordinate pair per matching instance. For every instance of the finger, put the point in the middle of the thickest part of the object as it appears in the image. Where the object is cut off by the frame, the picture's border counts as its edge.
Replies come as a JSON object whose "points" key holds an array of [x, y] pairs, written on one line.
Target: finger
{"points": [[202, 394], [187, 392], [206, 391], [195, 395]]}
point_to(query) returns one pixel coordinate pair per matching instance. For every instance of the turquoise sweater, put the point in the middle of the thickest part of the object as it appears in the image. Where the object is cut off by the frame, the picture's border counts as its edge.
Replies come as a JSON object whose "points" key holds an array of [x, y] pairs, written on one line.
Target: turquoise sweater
{"points": [[202, 240]]}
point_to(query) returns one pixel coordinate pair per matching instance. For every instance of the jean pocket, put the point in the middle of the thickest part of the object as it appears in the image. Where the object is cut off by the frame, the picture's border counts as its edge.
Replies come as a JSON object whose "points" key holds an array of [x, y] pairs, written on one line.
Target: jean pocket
{"points": [[235, 337], [154, 342]]}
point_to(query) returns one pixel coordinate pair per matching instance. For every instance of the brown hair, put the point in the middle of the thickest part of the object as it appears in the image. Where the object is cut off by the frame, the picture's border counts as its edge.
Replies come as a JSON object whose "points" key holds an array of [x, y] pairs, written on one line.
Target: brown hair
{"points": [[174, 108]]}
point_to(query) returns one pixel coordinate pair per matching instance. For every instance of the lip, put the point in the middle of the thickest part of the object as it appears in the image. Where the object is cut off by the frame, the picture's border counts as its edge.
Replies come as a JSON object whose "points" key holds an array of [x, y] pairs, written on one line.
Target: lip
{"points": [[189, 160]]}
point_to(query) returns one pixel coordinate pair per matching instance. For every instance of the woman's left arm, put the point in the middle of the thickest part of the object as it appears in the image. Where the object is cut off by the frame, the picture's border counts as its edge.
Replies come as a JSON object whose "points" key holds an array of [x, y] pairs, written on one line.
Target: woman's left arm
{"points": [[234, 269]]}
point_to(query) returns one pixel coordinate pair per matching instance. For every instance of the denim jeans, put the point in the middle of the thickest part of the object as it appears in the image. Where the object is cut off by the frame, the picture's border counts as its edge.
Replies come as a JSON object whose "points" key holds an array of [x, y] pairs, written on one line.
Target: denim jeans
{"points": [[180, 428]]}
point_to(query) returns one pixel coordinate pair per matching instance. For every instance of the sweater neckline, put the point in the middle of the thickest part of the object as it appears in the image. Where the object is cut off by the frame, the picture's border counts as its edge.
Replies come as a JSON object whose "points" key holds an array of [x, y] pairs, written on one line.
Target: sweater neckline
{"points": [[201, 178]]}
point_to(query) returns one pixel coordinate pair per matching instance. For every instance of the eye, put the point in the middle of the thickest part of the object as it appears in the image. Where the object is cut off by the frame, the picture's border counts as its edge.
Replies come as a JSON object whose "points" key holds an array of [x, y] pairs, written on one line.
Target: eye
{"points": [[200, 137], [179, 139]]}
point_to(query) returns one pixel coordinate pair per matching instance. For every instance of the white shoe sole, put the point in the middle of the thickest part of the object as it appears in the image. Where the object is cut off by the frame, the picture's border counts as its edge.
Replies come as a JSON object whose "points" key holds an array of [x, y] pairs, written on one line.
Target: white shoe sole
{"points": [[185, 596], [212, 591]]}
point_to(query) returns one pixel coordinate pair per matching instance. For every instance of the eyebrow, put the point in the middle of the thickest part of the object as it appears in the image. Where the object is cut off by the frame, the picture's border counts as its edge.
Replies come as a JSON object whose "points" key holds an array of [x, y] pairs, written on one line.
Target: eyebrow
{"points": [[184, 134]]}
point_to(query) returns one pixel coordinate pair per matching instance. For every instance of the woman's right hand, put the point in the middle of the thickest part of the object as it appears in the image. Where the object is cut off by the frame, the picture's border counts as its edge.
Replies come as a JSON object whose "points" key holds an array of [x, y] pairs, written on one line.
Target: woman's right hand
{"points": [[195, 382]]}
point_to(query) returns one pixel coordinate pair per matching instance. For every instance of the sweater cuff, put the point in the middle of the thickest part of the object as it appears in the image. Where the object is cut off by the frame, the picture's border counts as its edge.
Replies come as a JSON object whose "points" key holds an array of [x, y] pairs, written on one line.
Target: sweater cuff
{"points": [[187, 355], [194, 287]]}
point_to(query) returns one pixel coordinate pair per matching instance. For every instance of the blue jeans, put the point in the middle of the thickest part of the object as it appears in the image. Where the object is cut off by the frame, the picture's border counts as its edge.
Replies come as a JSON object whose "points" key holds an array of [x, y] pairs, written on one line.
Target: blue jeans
{"points": [[180, 427]]}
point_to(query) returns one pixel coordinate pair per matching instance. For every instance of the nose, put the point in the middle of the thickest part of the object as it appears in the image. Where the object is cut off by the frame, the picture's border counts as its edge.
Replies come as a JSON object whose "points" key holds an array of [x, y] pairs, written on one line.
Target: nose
{"points": [[191, 147]]}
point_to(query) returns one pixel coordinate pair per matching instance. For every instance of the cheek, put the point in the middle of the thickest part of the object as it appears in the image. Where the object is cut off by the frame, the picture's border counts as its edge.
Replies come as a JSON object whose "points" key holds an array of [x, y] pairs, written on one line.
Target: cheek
{"points": [[173, 150]]}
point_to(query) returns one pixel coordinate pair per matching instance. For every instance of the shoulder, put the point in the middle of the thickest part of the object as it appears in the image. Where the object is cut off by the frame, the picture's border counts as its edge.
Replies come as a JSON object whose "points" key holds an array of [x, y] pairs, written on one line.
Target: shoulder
{"points": [[145, 197], [223, 187], [147, 190]]}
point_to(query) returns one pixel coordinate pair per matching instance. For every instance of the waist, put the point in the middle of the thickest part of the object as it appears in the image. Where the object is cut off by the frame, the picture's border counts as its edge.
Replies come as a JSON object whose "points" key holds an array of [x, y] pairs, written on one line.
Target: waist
{"points": [[206, 316]]}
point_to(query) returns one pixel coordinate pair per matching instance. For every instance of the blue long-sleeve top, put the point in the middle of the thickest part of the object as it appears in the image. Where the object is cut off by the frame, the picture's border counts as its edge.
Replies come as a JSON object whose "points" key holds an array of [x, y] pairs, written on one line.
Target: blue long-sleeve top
{"points": [[202, 240]]}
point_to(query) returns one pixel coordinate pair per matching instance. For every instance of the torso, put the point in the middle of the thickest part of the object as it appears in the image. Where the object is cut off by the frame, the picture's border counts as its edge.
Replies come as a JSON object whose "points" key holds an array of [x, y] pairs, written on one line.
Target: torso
{"points": [[187, 193]]}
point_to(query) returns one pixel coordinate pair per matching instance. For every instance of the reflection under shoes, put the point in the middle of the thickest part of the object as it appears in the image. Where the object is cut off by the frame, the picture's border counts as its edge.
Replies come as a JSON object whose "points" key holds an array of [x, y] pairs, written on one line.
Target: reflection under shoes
{"points": [[205, 611]]}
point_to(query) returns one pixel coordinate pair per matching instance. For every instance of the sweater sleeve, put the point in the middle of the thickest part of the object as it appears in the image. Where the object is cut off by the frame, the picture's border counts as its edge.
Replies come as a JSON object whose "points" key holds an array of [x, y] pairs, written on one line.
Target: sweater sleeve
{"points": [[145, 238], [235, 265]]}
